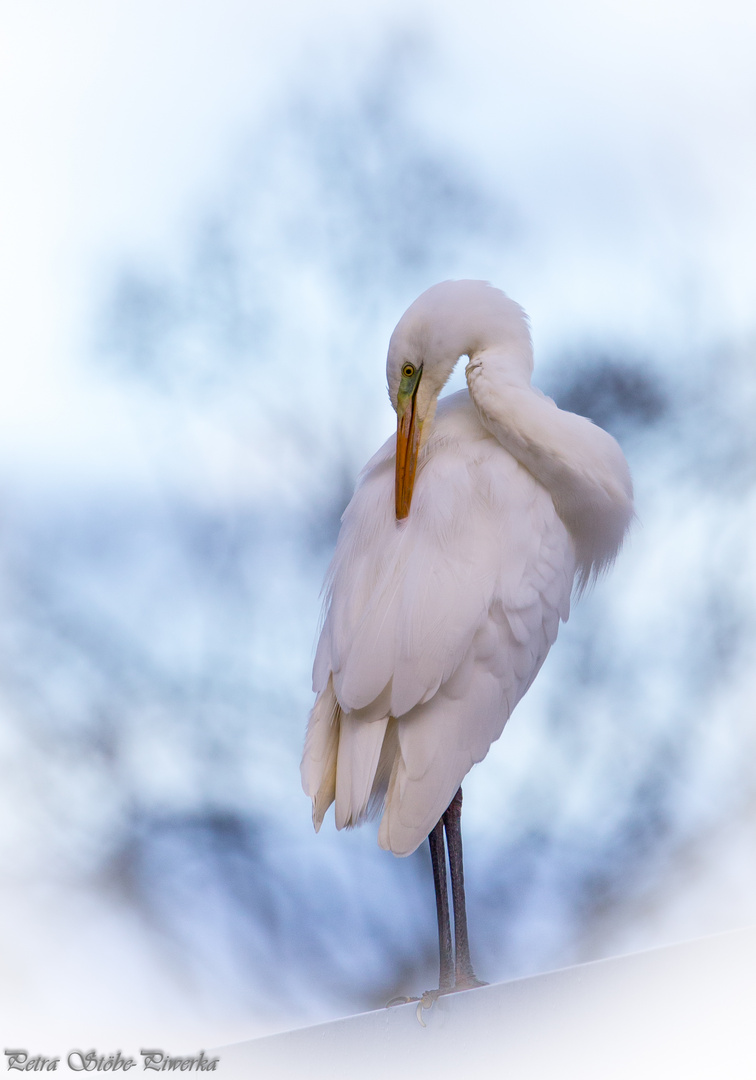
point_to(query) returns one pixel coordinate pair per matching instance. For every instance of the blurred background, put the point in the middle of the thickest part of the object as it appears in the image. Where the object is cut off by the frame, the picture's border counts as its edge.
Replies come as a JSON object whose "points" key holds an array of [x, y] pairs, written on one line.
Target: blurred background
{"points": [[212, 217]]}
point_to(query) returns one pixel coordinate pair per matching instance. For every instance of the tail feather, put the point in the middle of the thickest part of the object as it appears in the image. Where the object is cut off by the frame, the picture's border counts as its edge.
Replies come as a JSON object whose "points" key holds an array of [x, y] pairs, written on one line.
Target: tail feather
{"points": [[347, 761], [359, 758], [389, 752]]}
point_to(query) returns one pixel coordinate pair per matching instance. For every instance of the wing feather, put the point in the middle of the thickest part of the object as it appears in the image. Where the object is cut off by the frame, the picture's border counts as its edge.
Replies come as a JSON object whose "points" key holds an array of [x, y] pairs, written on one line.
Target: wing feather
{"points": [[436, 626], [318, 767]]}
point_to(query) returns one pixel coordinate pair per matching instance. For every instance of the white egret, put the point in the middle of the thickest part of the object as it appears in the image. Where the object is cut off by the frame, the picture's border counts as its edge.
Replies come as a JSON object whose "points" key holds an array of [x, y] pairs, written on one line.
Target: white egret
{"points": [[455, 563]]}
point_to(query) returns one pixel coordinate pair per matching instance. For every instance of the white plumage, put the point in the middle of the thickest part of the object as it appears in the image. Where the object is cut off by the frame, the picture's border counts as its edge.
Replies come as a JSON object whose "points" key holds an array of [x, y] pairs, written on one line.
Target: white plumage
{"points": [[436, 625]]}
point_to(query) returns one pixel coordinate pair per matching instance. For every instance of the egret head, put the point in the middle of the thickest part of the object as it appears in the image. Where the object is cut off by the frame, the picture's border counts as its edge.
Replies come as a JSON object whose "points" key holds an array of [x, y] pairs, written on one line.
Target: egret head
{"points": [[449, 320]]}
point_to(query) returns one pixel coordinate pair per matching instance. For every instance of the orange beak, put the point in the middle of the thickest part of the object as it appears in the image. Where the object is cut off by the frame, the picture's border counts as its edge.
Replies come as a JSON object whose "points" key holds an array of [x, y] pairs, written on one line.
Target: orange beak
{"points": [[408, 430]]}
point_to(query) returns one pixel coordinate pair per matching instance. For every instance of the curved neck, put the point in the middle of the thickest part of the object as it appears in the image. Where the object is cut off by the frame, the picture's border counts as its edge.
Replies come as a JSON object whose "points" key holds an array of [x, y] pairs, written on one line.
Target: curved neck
{"points": [[579, 463]]}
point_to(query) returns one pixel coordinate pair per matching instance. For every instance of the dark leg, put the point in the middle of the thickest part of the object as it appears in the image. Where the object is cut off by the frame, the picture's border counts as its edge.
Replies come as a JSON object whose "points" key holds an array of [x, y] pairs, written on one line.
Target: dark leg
{"points": [[464, 976], [438, 858], [456, 971]]}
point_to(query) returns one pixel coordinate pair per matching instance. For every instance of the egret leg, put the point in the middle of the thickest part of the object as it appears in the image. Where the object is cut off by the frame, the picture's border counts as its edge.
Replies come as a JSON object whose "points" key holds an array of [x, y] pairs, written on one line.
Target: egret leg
{"points": [[438, 858], [464, 976]]}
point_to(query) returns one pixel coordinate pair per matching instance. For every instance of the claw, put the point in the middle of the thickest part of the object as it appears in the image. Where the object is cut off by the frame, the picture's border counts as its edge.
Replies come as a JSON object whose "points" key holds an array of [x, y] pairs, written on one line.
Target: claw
{"points": [[426, 1002]]}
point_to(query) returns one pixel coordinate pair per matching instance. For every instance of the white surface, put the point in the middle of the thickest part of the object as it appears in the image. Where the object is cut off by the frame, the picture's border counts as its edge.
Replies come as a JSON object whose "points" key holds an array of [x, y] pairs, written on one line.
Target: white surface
{"points": [[685, 1011]]}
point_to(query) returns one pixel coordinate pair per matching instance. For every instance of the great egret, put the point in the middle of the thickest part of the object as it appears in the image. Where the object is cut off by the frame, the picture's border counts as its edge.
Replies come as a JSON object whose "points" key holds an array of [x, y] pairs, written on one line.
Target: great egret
{"points": [[455, 562]]}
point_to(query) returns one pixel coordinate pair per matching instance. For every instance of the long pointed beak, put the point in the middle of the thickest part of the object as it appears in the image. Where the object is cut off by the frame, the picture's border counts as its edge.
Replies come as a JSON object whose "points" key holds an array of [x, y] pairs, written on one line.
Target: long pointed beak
{"points": [[408, 430]]}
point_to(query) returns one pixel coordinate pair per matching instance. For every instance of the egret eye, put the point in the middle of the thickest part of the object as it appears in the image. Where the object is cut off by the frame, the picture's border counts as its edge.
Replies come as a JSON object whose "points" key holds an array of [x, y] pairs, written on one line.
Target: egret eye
{"points": [[408, 371]]}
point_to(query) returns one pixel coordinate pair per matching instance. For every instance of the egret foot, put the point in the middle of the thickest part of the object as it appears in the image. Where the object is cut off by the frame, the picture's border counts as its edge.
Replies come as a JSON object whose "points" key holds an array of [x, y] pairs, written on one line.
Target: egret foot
{"points": [[426, 1001]]}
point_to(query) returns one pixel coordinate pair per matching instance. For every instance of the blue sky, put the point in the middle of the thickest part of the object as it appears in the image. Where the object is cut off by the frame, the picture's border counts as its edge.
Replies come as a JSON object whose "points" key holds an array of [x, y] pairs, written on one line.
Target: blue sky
{"points": [[622, 135]]}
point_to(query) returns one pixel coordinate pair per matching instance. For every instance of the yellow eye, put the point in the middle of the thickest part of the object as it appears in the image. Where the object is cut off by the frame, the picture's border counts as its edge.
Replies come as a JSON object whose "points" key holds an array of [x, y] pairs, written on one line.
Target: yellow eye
{"points": [[408, 371]]}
